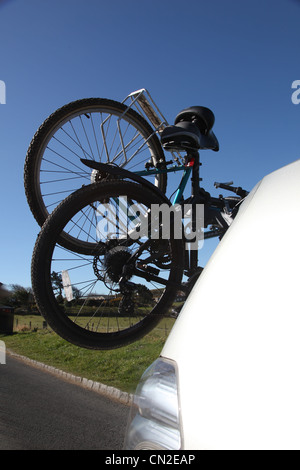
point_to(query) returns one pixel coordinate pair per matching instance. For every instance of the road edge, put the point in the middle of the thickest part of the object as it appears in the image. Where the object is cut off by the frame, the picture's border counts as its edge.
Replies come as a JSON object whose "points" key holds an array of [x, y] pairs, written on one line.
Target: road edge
{"points": [[106, 390]]}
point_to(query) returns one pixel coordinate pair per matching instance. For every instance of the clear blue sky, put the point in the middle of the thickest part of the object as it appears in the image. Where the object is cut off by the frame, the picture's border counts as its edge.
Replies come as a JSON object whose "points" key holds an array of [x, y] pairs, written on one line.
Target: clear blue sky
{"points": [[237, 57]]}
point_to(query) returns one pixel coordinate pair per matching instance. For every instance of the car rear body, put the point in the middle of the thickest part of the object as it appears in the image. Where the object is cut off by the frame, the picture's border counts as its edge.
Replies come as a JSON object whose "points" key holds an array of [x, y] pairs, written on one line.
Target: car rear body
{"points": [[235, 347]]}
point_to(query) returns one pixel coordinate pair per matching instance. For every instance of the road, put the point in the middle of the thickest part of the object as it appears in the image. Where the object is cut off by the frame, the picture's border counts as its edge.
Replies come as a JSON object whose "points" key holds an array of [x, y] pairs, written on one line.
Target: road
{"points": [[39, 411]]}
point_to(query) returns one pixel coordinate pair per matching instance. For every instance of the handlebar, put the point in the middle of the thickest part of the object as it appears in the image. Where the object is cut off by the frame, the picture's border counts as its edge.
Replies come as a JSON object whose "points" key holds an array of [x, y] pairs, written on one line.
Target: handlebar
{"points": [[235, 189]]}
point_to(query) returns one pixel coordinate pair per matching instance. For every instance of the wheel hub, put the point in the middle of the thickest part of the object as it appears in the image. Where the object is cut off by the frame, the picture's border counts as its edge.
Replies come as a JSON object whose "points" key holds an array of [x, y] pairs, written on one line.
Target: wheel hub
{"points": [[97, 176], [114, 262]]}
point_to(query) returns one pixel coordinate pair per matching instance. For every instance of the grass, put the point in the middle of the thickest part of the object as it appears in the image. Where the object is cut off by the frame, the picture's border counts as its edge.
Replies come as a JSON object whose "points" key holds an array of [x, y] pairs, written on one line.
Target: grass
{"points": [[120, 368]]}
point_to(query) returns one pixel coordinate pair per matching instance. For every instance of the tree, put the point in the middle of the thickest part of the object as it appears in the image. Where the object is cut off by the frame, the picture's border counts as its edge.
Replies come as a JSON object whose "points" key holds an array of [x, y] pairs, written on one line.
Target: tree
{"points": [[76, 293], [21, 296], [145, 295], [4, 294], [56, 280]]}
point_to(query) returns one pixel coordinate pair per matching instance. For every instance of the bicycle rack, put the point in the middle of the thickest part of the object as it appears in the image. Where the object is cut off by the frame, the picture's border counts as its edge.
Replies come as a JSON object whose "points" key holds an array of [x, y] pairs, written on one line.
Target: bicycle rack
{"points": [[144, 104], [142, 101]]}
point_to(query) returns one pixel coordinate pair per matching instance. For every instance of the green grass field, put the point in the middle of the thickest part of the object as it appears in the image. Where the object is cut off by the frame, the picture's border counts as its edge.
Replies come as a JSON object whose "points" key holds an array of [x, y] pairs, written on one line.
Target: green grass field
{"points": [[120, 368]]}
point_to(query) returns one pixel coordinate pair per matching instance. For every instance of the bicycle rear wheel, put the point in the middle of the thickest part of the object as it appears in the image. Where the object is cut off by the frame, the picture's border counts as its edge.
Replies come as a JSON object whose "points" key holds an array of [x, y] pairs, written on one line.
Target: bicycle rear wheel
{"points": [[92, 128], [123, 281]]}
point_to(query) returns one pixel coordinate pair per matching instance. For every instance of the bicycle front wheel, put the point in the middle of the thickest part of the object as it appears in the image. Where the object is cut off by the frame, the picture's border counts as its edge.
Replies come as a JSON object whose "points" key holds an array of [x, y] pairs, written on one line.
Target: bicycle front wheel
{"points": [[92, 128], [123, 281]]}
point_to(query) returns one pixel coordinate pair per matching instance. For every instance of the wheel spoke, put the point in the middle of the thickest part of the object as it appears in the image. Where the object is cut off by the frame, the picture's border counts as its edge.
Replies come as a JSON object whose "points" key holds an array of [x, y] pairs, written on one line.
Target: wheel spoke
{"points": [[92, 129], [113, 288]]}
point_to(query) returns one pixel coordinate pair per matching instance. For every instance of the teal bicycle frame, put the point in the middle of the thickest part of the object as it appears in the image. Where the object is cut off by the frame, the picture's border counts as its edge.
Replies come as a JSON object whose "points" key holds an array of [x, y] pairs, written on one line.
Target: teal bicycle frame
{"points": [[213, 206], [192, 166], [185, 177]]}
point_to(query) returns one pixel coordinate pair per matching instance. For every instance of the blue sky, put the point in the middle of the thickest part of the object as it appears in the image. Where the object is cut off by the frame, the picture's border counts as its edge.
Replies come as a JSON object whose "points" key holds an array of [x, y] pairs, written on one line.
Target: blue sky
{"points": [[237, 57]]}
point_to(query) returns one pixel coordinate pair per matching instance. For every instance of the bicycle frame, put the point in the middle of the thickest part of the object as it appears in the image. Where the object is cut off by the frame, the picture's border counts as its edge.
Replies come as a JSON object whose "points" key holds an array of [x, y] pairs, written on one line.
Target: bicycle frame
{"points": [[186, 175], [142, 101], [190, 170]]}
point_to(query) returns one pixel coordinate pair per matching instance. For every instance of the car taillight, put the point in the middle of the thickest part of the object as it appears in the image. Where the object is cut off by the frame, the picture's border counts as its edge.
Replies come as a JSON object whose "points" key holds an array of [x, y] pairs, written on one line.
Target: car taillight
{"points": [[155, 414]]}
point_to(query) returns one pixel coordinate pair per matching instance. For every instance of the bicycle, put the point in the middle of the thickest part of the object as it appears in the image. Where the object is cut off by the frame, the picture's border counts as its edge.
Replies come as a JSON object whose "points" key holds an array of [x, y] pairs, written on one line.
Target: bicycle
{"points": [[125, 134], [116, 241]]}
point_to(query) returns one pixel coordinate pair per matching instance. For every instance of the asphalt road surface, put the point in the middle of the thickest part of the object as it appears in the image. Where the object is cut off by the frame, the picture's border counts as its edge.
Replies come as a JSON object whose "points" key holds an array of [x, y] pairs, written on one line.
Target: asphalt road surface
{"points": [[39, 411]]}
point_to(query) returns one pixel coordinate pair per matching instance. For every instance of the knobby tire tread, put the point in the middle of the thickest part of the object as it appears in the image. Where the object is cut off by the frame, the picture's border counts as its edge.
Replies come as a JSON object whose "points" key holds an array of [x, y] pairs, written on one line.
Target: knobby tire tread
{"points": [[40, 275], [31, 161]]}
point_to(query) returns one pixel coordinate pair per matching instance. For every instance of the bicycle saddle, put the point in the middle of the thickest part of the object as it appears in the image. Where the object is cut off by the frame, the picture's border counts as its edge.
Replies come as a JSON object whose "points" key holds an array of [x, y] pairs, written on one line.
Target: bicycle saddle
{"points": [[203, 117], [192, 130]]}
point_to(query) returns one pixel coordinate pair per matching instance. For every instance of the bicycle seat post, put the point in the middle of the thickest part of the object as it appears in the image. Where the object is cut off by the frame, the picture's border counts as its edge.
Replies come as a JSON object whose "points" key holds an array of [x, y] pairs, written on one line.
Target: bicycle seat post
{"points": [[194, 161]]}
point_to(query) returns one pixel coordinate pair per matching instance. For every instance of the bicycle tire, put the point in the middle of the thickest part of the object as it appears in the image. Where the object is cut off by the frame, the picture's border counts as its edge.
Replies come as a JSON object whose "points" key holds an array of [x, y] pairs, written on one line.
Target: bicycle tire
{"points": [[53, 157], [43, 261]]}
